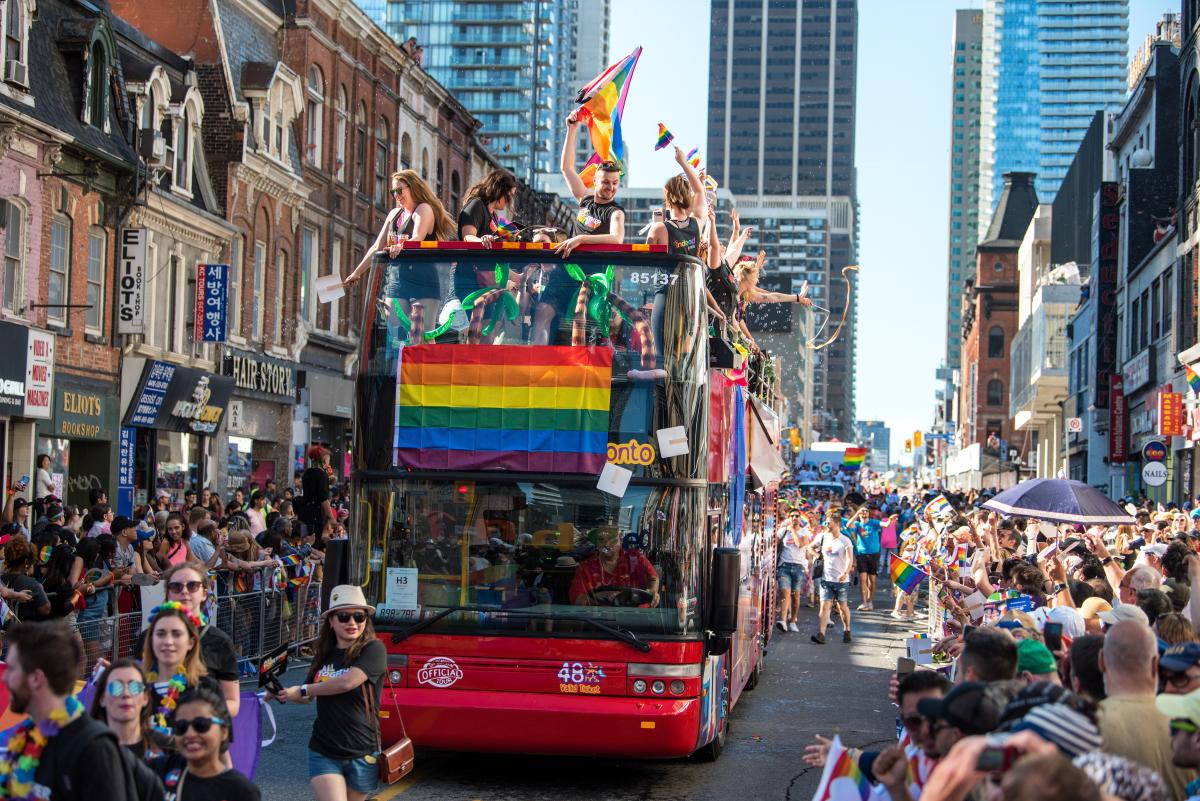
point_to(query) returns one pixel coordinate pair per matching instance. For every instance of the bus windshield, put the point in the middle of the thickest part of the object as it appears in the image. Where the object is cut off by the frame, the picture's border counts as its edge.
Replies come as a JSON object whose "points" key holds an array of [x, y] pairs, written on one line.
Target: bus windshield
{"points": [[548, 557]]}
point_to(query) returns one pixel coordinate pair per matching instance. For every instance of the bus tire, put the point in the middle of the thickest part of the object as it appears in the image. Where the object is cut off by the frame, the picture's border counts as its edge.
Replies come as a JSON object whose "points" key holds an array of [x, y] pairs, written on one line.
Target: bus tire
{"points": [[711, 751], [756, 674]]}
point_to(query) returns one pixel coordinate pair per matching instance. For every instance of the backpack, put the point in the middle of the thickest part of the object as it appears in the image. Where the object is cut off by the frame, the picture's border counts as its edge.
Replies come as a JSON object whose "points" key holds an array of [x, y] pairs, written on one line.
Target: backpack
{"points": [[140, 781]]}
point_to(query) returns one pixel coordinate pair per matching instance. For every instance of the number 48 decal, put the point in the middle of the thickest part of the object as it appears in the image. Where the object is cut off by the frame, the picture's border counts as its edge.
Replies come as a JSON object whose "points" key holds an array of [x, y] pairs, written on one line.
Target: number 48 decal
{"points": [[576, 673]]}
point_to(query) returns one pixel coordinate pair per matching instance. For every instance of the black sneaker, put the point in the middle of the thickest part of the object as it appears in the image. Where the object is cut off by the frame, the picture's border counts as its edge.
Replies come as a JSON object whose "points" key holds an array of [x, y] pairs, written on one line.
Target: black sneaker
{"points": [[819, 639], [845, 636]]}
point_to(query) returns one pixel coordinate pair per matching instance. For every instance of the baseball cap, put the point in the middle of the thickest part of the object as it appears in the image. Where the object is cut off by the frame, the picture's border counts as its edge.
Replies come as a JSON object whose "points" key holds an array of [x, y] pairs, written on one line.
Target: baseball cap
{"points": [[1035, 657], [1070, 730], [1092, 607], [20, 503], [1124, 612], [1180, 706], [1179, 658], [1157, 549], [972, 707]]}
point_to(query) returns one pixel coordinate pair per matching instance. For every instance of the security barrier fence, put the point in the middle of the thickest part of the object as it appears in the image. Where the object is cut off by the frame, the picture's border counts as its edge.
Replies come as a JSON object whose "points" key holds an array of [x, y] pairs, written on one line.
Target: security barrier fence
{"points": [[258, 622]]}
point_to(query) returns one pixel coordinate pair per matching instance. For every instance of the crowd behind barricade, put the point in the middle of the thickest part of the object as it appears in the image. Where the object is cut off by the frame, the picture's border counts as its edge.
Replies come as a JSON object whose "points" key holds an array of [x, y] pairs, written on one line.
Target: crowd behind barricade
{"points": [[1052, 661]]}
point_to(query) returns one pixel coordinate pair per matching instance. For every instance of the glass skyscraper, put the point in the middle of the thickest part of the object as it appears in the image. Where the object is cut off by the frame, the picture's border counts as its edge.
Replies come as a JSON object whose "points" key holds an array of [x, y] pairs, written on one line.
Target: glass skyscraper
{"points": [[1048, 66], [515, 65]]}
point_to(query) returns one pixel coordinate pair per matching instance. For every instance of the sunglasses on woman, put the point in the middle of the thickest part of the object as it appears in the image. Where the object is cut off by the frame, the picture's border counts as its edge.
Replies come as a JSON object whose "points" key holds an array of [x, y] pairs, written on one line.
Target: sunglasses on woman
{"points": [[357, 617], [201, 725], [117, 688], [180, 586]]}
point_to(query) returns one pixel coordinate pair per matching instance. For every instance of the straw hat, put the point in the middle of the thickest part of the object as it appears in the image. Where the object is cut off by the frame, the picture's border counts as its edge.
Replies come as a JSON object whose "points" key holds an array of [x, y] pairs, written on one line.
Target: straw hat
{"points": [[348, 596]]}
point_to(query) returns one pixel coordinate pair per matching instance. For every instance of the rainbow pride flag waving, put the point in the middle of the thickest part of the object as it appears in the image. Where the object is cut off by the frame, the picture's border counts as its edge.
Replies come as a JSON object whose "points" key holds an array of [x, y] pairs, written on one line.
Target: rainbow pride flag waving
{"points": [[1193, 378], [601, 104], [854, 457], [503, 407], [906, 576], [842, 780]]}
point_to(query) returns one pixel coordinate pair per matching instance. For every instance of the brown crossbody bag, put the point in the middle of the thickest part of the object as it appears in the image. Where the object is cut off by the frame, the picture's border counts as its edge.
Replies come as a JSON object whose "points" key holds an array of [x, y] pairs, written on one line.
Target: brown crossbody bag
{"points": [[396, 761]]}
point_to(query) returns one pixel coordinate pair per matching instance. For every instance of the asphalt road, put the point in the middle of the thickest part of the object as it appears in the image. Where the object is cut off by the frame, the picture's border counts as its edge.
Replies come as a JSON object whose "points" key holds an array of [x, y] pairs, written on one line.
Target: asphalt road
{"points": [[805, 689]]}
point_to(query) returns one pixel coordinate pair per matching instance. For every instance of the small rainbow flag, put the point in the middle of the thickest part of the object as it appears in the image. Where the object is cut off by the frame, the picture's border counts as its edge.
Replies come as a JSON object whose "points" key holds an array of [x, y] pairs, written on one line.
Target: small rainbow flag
{"points": [[842, 780], [1193, 379], [854, 457], [693, 157], [44, 555], [291, 560], [504, 229], [503, 407], [905, 576], [940, 507], [298, 581], [665, 137]]}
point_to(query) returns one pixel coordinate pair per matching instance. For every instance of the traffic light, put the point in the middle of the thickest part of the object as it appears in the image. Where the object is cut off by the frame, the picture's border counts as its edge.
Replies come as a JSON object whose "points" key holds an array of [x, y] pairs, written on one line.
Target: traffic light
{"points": [[916, 440], [794, 436], [908, 446]]}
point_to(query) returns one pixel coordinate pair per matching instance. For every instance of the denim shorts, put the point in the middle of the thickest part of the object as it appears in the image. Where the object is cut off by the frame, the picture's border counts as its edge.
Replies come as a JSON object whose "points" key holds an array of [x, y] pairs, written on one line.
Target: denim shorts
{"points": [[834, 591], [791, 576], [360, 774]]}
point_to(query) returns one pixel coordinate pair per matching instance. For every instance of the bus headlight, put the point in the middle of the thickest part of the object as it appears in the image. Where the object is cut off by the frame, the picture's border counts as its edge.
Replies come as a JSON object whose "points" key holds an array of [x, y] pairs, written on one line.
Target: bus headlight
{"points": [[659, 687], [639, 686], [677, 687]]}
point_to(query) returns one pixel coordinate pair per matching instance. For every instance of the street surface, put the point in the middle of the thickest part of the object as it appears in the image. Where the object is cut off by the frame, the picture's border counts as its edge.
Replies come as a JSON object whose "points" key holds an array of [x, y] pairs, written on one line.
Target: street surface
{"points": [[805, 689]]}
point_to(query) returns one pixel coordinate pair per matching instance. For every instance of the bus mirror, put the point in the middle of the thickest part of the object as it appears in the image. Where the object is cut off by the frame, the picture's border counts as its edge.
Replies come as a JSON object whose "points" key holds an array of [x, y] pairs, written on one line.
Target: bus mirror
{"points": [[336, 568], [726, 589]]}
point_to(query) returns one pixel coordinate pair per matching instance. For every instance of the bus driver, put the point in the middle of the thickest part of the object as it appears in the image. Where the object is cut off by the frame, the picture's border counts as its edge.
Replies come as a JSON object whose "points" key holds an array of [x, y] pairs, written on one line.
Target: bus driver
{"points": [[626, 576]]}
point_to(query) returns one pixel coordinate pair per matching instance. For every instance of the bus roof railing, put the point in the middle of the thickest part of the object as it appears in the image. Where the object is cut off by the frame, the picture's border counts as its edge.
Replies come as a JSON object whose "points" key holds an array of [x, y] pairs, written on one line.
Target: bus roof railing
{"points": [[632, 247]]}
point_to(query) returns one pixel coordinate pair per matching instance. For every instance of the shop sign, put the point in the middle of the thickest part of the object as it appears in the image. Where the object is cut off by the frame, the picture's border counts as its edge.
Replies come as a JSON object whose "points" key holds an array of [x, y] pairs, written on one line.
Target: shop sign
{"points": [[253, 372], [83, 414], [212, 301], [1154, 474], [1118, 421], [126, 456], [1154, 451], [174, 398], [131, 280], [1170, 414], [26, 371], [39, 374], [1136, 373]]}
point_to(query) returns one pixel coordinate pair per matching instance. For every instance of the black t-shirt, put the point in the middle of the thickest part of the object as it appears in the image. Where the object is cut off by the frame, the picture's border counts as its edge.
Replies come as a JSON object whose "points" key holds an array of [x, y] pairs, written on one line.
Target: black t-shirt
{"points": [[593, 217], [342, 729], [217, 652], [475, 213], [181, 786], [723, 288], [315, 485], [683, 240], [19, 582], [79, 759]]}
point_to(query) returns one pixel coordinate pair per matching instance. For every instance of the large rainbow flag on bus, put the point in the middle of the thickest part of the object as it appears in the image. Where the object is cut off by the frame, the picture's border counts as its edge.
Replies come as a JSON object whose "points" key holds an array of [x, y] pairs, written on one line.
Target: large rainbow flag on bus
{"points": [[601, 104], [502, 407]]}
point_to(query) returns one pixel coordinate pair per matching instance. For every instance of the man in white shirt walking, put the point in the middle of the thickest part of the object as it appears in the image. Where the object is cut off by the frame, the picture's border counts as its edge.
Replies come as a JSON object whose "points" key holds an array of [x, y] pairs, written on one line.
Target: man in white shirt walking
{"points": [[837, 553]]}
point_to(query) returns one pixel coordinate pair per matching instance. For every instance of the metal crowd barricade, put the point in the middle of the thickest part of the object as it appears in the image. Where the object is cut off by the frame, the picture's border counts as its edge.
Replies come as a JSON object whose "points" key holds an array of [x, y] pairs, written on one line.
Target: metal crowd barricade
{"points": [[258, 622]]}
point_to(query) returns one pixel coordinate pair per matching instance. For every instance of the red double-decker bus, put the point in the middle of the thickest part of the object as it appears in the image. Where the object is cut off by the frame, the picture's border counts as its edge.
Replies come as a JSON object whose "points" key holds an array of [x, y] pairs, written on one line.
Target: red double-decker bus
{"points": [[553, 511]]}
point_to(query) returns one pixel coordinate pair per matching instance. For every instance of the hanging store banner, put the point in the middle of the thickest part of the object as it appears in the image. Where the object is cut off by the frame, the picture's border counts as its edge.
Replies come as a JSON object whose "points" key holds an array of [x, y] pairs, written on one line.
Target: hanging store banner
{"points": [[1118, 421], [1170, 414], [39, 375], [212, 302], [174, 398], [1104, 286], [26, 371], [126, 459], [131, 280]]}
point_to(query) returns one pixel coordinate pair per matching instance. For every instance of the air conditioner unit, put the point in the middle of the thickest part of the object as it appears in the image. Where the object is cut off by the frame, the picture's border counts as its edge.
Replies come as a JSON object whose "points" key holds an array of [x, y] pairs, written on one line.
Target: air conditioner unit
{"points": [[17, 72], [153, 147]]}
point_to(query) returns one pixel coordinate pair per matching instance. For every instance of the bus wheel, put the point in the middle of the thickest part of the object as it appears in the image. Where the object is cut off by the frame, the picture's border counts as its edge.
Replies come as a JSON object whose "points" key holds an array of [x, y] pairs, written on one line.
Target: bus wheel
{"points": [[755, 675], [712, 750]]}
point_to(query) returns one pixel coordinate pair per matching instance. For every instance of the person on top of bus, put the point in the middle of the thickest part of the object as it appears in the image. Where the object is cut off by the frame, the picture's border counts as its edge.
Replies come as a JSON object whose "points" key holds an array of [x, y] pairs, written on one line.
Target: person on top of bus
{"points": [[418, 216], [601, 578]]}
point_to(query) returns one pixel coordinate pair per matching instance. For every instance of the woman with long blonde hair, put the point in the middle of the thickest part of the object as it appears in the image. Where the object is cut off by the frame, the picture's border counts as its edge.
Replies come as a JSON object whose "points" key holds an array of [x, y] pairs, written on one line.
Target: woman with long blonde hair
{"points": [[418, 216]]}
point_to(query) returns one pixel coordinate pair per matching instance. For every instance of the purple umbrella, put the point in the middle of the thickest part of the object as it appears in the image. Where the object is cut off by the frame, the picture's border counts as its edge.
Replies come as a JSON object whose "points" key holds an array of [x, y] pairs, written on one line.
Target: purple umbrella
{"points": [[1059, 500]]}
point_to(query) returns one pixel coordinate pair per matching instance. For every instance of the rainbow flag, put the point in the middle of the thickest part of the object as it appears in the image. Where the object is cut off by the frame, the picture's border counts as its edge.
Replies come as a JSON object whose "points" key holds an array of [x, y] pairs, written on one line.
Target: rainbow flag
{"points": [[504, 229], [44, 554], [693, 157], [842, 780], [854, 457], [665, 137], [291, 560], [1193, 379], [939, 506], [905, 576], [602, 102], [503, 407]]}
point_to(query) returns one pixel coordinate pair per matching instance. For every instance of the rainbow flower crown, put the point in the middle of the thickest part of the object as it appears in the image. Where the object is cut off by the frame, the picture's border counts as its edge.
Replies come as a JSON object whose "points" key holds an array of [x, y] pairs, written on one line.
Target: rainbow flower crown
{"points": [[198, 622]]}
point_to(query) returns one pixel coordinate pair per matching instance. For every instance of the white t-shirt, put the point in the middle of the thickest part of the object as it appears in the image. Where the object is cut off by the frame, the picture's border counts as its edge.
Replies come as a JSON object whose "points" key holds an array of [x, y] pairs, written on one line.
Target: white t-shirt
{"points": [[793, 545], [839, 556]]}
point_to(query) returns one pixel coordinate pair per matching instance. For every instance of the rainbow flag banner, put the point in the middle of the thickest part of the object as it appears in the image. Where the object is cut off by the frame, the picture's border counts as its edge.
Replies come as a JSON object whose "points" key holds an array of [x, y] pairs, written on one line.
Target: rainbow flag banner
{"points": [[503, 407], [842, 780], [504, 229], [854, 457], [665, 137], [939, 506], [906, 576], [1193, 379], [601, 104]]}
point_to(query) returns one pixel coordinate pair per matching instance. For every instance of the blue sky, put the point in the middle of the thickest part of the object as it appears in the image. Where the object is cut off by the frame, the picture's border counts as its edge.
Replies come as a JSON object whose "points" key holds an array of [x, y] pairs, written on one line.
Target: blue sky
{"points": [[902, 155]]}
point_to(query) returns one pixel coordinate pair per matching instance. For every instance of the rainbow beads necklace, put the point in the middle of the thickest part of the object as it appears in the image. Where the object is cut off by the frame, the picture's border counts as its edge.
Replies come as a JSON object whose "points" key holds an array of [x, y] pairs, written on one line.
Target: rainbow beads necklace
{"points": [[24, 751]]}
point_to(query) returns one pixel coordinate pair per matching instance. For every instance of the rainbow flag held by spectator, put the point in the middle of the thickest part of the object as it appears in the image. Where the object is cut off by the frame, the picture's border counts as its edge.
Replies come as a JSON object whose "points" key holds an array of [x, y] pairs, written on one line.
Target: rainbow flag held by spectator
{"points": [[940, 507], [906, 576], [503, 407], [842, 780]]}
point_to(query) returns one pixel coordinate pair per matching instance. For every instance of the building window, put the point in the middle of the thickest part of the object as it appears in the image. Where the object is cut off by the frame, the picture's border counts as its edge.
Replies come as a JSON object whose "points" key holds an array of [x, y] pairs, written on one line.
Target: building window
{"points": [[14, 256], [424, 164], [281, 290], [1191, 137], [236, 251], [309, 245], [381, 163], [315, 111], [360, 148], [455, 192], [998, 266], [60, 269], [97, 95], [405, 152], [260, 287], [441, 175], [335, 258], [1166, 301], [343, 114], [97, 257], [264, 125], [181, 176], [995, 392], [146, 119], [16, 32], [995, 343]]}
